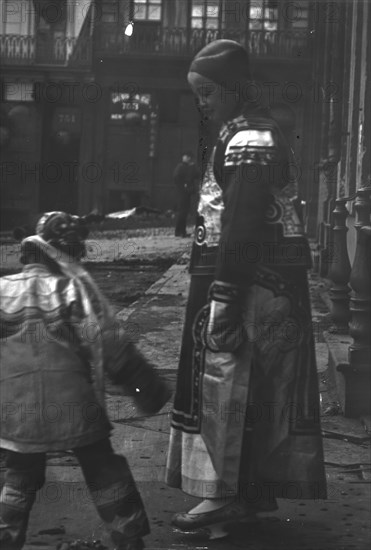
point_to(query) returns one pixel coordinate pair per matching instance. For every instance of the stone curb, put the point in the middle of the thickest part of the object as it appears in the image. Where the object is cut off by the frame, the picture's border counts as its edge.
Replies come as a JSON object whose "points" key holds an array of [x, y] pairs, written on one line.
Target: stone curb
{"points": [[156, 319]]}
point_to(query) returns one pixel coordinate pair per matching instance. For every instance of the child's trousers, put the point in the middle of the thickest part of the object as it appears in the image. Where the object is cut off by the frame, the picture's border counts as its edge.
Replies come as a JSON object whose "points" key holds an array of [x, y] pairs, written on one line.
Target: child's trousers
{"points": [[107, 476]]}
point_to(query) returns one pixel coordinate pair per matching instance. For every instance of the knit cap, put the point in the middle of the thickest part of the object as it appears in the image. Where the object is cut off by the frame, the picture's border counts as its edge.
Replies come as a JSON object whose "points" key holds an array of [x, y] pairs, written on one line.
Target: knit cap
{"points": [[224, 62]]}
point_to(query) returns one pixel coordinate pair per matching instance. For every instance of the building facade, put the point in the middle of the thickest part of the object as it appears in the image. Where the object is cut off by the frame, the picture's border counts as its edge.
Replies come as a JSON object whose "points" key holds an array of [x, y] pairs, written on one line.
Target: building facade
{"points": [[148, 70], [94, 119], [338, 135], [338, 193], [47, 88]]}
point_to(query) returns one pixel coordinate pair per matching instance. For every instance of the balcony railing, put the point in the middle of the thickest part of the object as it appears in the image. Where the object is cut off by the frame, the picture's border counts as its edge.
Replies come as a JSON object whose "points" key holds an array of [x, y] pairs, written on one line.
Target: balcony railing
{"points": [[35, 50], [67, 51], [174, 41]]}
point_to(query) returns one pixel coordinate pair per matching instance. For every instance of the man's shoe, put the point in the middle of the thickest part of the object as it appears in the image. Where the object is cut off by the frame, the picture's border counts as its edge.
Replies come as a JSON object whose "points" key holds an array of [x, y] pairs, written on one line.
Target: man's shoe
{"points": [[233, 511]]}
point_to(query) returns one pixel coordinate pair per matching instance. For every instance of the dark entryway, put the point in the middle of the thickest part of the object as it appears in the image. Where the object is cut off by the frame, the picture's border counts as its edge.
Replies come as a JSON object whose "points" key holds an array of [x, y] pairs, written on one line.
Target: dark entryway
{"points": [[60, 161], [129, 150], [128, 170]]}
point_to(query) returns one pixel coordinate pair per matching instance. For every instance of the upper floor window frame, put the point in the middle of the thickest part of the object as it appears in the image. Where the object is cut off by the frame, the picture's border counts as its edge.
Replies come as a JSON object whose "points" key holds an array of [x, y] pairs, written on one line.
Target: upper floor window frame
{"points": [[143, 11], [263, 15], [275, 15], [206, 14], [16, 14]]}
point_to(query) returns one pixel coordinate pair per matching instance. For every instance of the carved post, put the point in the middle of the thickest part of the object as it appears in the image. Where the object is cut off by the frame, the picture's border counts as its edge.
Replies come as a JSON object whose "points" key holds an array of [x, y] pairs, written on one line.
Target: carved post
{"points": [[359, 326], [339, 271]]}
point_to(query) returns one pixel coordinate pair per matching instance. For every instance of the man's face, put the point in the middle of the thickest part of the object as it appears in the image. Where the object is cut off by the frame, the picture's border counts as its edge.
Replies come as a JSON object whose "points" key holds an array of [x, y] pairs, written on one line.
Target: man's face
{"points": [[214, 102]]}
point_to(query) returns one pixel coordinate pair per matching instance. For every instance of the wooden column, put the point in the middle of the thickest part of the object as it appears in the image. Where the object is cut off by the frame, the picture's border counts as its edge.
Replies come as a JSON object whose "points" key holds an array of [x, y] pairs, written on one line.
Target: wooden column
{"points": [[355, 175], [312, 135], [325, 207], [333, 93]]}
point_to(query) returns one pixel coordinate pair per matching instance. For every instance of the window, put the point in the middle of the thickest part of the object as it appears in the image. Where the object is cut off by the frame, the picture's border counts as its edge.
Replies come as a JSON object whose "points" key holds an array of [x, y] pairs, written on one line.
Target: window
{"points": [[18, 90], [205, 14], [299, 15], [147, 10], [109, 12], [16, 18], [271, 15], [263, 15]]}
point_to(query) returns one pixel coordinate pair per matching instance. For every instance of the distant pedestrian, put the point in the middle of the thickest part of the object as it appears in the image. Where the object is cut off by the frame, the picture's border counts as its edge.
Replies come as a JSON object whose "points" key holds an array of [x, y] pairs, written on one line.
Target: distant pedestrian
{"points": [[59, 337], [186, 177]]}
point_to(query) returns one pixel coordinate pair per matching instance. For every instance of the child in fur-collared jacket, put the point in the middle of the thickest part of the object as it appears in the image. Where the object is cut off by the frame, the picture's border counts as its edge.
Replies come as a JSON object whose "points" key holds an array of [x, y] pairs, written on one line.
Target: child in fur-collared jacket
{"points": [[58, 338]]}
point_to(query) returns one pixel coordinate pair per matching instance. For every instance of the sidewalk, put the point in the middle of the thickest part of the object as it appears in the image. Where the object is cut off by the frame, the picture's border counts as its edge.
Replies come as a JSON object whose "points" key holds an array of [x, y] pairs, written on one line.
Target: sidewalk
{"points": [[64, 510]]}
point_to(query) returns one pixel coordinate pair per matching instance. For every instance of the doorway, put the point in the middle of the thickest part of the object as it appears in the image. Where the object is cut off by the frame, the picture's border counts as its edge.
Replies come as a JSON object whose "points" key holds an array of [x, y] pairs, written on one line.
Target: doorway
{"points": [[60, 161]]}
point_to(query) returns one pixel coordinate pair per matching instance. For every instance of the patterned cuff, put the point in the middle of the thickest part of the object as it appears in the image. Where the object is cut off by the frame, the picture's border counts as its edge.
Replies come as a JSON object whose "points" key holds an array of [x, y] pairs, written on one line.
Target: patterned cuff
{"points": [[225, 292]]}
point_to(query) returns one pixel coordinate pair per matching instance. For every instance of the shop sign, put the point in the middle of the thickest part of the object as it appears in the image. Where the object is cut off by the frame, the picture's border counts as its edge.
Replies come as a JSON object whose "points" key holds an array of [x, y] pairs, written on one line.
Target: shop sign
{"points": [[124, 105]]}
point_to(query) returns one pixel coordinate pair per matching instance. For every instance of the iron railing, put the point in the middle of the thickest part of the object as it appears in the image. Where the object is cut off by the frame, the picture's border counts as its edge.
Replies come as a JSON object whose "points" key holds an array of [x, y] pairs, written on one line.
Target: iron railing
{"points": [[151, 40], [37, 50], [175, 41]]}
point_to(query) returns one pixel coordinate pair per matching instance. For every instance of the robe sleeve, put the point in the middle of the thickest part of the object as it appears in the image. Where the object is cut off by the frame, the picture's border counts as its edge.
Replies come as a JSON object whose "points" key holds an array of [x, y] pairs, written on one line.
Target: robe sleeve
{"points": [[251, 167]]}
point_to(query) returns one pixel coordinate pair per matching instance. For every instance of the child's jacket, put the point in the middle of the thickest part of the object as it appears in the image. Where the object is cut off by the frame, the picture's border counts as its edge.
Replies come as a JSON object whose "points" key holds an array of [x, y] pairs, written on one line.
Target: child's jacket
{"points": [[58, 335]]}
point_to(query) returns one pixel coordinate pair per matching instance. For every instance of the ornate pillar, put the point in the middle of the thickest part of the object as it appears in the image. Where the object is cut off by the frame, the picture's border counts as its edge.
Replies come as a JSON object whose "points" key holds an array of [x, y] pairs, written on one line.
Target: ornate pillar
{"points": [[339, 271], [357, 374], [360, 282]]}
